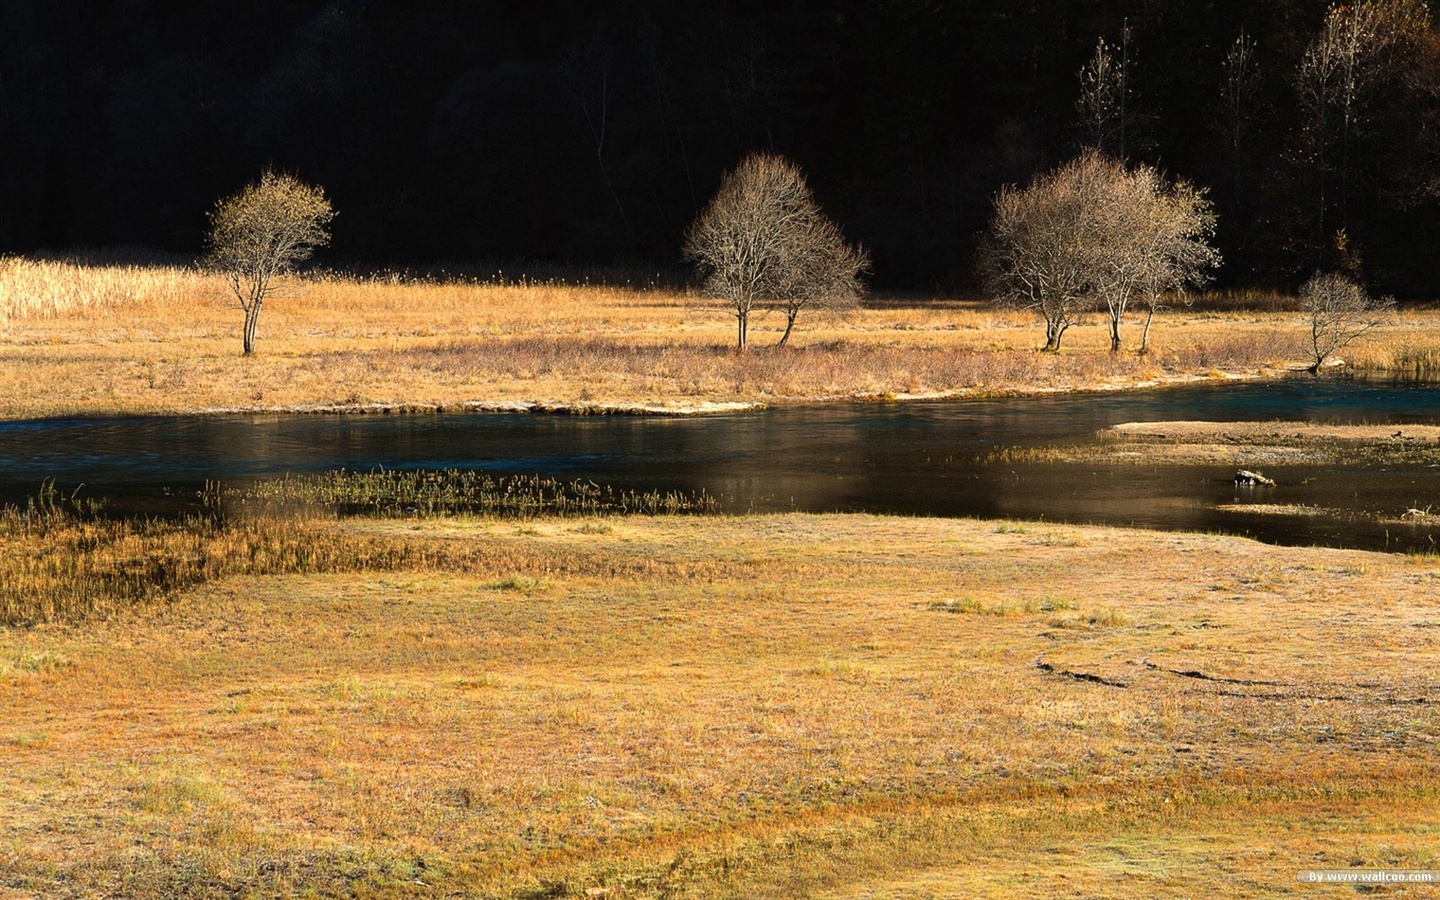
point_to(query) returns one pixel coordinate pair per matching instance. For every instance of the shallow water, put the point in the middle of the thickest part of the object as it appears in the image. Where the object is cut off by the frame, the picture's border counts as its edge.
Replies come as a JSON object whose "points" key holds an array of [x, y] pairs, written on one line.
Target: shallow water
{"points": [[911, 458]]}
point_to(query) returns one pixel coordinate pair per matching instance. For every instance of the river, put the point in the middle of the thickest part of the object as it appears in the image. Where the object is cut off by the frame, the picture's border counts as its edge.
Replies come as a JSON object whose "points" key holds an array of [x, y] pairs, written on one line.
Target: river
{"points": [[918, 458]]}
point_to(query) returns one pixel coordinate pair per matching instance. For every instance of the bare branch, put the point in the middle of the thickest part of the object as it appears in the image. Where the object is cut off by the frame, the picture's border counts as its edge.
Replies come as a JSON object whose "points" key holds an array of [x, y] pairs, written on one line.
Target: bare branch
{"points": [[763, 243], [1340, 313], [263, 232]]}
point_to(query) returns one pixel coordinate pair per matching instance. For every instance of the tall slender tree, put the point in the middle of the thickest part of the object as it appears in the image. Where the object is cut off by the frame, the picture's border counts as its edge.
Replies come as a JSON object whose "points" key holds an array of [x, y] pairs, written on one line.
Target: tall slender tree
{"points": [[1359, 51], [1107, 102]]}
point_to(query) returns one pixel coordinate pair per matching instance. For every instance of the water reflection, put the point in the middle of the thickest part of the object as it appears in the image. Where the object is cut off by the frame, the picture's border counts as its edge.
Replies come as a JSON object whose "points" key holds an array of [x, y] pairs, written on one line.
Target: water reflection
{"points": [[925, 458]]}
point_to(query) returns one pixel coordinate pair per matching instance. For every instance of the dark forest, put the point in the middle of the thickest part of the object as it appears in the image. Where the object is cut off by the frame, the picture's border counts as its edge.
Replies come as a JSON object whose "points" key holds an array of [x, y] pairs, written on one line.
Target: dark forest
{"points": [[590, 134]]}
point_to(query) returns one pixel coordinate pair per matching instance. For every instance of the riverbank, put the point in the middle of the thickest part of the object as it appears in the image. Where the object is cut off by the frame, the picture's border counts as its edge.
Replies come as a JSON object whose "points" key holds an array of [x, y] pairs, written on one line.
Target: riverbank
{"points": [[117, 341], [1249, 444], [691, 706]]}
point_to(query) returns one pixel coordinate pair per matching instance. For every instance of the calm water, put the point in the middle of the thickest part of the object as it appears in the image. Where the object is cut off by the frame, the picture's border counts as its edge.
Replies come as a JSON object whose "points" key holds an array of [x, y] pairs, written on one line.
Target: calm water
{"points": [[915, 458]]}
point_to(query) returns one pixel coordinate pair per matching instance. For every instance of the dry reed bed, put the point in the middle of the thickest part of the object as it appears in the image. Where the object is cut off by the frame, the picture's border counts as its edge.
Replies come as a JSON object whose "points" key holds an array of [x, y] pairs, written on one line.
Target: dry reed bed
{"points": [[65, 562], [747, 707], [124, 339]]}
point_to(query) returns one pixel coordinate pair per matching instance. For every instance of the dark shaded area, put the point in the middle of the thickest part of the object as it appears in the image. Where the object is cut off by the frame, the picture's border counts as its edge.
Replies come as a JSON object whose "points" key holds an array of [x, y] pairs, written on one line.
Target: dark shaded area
{"points": [[585, 133]]}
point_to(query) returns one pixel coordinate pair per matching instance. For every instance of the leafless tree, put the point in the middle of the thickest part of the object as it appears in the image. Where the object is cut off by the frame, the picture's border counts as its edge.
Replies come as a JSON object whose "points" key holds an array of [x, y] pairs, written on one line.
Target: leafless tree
{"points": [[1179, 255], [1101, 89], [1107, 108], [1239, 105], [1152, 238], [1041, 248], [1340, 312], [590, 64], [1093, 232], [261, 233], [1358, 51], [763, 243]]}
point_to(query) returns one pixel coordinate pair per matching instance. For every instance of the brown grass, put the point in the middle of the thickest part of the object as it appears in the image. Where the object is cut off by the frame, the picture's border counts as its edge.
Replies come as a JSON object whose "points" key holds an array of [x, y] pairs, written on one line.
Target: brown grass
{"points": [[1248, 444], [844, 706], [115, 339], [1407, 347], [64, 562]]}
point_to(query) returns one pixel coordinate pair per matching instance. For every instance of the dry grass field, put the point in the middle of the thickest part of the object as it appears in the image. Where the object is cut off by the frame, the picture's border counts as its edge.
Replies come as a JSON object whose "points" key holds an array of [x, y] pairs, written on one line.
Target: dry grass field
{"points": [[833, 706], [114, 339], [676, 706]]}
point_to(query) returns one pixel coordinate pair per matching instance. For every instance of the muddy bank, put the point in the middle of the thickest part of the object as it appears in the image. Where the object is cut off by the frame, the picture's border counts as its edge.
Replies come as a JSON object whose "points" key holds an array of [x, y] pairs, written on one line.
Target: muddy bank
{"points": [[1251, 444], [1427, 517]]}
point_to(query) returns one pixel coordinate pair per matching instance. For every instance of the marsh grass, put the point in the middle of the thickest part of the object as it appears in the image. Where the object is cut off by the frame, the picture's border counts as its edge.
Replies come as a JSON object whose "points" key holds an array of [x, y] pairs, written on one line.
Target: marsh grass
{"points": [[65, 560], [765, 706], [68, 567], [451, 492]]}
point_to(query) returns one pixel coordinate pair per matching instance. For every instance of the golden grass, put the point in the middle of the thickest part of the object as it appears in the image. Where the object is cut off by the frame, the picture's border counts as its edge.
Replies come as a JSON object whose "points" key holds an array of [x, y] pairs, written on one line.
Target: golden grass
{"points": [[114, 339], [1253, 443], [842, 706], [47, 289], [66, 564]]}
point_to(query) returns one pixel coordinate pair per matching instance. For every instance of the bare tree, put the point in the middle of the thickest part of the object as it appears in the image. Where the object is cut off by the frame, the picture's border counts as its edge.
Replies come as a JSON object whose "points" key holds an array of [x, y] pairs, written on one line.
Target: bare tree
{"points": [[1180, 254], [1357, 52], [1102, 93], [590, 66], [763, 243], [1239, 107], [1152, 238], [1041, 248], [1093, 232], [1340, 312], [1107, 107], [261, 233]]}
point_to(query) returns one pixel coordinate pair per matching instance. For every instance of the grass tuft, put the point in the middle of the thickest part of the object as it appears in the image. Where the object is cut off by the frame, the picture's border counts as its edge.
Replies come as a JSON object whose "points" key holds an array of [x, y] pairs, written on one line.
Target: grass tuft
{"points": [[451, 492]]}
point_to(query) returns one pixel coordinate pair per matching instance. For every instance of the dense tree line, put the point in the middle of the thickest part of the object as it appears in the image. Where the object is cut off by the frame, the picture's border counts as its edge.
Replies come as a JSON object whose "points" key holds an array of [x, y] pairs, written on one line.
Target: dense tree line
{"points": [[590, 132]]}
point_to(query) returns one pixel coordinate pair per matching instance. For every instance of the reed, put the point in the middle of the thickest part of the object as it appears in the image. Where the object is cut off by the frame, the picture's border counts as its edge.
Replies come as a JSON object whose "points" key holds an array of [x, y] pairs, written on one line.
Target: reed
{"points": [[45, 289], [1242, 300], [1404, 360], [451, 492], [65, 560]]}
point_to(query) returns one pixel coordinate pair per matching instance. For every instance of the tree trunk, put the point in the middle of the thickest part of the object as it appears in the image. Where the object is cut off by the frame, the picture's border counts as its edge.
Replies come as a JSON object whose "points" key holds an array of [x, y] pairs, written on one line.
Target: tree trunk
{"points": [[1114, 334], [790, 315], [1053, 332], [1145, 334], [742, 317], [252, 319]]}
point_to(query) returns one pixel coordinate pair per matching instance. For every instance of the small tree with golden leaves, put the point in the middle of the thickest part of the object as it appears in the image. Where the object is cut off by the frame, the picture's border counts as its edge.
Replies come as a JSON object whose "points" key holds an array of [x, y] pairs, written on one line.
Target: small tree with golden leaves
{"points": [[261, 233]]}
